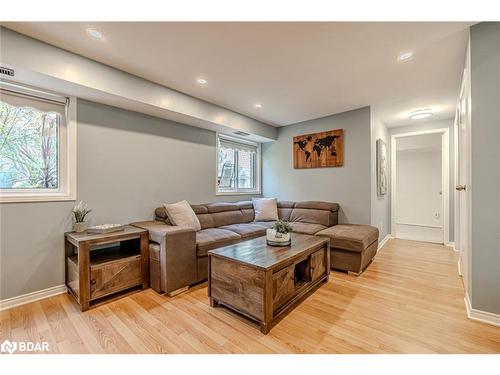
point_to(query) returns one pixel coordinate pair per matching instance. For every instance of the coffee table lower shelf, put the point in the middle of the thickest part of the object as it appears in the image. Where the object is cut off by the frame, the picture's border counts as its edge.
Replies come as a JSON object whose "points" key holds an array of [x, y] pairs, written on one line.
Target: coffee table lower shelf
{"points": [[269, 283]]}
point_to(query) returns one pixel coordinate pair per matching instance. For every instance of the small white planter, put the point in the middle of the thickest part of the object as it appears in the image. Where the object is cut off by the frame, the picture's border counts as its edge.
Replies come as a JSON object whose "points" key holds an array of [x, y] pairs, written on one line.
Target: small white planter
{"points": [[277, 239], [80, 227]]}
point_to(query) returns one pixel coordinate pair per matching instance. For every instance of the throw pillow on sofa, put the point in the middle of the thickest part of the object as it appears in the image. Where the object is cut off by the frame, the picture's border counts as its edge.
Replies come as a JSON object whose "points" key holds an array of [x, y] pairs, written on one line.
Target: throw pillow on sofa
{"points": [[182, 214], [266, 209]]}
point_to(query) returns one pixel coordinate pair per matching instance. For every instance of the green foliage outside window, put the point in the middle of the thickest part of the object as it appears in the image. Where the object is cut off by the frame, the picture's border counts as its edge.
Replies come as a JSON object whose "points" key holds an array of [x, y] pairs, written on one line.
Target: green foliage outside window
{"points": [[28, 148]]}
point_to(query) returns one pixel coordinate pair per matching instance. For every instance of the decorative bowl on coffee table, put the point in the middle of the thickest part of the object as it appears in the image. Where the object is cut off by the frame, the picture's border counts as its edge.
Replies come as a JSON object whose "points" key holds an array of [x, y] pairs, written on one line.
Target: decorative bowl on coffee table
{"points": [[275, 238]]}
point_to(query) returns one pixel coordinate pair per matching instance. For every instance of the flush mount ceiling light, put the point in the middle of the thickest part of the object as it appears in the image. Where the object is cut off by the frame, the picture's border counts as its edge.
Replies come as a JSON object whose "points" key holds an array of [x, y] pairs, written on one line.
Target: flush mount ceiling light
{"points": [[201, 81], [421, 114], [258, 105], [94, 33], [405, 56]]}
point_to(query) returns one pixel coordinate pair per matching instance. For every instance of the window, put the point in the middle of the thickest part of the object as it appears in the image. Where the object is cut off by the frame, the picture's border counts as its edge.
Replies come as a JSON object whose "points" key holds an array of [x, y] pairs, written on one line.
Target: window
{"points": [[238, 166], [37, 145]]}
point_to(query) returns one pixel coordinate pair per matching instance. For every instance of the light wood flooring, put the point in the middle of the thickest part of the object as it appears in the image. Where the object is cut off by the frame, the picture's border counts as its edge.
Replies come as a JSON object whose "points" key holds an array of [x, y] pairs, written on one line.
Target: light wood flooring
{"points": [[409, 300]]}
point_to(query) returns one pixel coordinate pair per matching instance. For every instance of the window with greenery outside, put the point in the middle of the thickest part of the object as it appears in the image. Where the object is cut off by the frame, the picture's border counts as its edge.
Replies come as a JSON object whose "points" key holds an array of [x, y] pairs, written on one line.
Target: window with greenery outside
{"points": [[28, 147]]}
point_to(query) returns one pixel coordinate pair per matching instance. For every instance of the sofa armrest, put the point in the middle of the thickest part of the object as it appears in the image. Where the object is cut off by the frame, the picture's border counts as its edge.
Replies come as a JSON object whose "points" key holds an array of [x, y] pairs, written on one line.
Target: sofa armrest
{"points": [[177, 253]]}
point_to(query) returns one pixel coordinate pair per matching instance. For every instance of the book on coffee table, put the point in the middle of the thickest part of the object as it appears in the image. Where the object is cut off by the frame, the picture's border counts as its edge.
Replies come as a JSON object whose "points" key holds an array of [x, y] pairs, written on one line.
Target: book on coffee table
{"points": [[105, 228]]}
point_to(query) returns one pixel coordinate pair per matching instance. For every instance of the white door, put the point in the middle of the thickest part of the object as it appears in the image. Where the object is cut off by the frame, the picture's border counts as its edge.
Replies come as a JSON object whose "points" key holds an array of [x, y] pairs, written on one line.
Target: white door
{"points": [[419, 188], [462, 195]]}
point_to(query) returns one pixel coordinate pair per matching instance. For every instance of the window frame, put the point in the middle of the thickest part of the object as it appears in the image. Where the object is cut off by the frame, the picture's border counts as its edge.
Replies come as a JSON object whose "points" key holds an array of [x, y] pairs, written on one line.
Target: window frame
{"points": [[258, 167], [66, 159]]}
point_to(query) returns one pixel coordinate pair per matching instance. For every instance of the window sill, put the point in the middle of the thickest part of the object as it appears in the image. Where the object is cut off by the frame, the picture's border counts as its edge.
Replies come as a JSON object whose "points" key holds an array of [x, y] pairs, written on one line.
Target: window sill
{"points": [[47, 197], [256, 192]]}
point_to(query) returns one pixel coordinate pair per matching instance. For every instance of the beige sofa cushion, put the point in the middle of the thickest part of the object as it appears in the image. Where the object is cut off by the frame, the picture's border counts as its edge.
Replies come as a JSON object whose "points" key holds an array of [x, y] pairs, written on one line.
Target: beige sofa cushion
{"points": [[353, 237], [266, 209], [212, 238], [246, 229], [181, 214]]}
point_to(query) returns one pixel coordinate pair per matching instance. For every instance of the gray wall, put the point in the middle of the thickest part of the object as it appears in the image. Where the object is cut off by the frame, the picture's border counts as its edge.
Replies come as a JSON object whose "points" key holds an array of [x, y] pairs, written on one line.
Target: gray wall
{"points": [[348, 185], [128, 164], [430, 125], [381, 205], [485, 154]]}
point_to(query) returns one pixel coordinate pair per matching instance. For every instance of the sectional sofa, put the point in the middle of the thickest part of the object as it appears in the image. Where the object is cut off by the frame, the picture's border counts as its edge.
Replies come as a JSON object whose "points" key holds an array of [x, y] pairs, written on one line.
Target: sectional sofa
{"points": [[178, 255]]}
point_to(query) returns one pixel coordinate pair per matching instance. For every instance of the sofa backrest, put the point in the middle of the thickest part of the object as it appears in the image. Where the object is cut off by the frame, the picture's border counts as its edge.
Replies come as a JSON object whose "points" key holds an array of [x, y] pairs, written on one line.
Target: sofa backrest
{"points": [[324, 213], [213, 215], [225, 213]]}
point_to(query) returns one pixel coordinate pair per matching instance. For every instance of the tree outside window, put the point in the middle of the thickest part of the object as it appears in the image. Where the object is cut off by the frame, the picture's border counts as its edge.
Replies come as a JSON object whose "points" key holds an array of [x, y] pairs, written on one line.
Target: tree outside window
{"points": [[28, 148]]}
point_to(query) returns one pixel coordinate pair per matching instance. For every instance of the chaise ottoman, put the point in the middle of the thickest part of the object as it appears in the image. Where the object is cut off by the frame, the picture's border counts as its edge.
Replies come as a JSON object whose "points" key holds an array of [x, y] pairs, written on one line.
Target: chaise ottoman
{"points": [[352, 246]]}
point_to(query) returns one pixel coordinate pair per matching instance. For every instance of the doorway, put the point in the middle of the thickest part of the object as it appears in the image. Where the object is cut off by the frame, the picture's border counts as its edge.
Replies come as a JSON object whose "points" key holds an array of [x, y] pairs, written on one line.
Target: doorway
{"points": [[420, 186]]}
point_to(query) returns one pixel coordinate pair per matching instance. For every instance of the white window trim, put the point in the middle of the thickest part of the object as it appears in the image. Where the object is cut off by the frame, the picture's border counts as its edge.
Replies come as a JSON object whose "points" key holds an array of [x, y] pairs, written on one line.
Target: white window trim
{"points": [[258, 163], [67, 184]]}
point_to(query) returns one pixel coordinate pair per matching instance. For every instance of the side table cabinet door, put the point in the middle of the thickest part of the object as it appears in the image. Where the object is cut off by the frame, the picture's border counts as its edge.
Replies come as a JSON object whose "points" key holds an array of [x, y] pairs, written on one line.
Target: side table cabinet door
{"points": [[113, 277]]}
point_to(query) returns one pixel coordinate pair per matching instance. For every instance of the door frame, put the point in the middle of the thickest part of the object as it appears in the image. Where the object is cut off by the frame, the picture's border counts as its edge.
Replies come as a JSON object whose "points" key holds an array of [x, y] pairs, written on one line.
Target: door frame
{"points": [[456, 218], [463, 227], [445, 177]]}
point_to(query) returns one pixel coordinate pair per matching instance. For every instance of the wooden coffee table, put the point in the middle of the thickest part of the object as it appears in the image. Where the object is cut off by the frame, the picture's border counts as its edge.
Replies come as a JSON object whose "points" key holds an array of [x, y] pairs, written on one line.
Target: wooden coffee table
{"points": [[262, 282]]}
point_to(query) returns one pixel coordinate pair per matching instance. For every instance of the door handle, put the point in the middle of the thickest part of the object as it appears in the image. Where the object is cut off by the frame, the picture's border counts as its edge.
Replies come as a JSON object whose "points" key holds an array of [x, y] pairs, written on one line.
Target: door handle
{"points": [[460, 187]]}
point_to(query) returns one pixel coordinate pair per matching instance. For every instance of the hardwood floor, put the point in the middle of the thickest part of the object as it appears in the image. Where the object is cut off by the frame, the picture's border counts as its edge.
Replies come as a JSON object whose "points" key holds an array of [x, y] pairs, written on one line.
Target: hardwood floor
{"points": [[409, 300]]}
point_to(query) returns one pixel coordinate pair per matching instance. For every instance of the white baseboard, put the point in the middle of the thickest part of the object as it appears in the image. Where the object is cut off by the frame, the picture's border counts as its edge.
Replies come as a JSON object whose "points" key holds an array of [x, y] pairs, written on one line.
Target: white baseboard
{"points": [[452, 245], [418, 232], [481, 316], [31, 297], [383, 242]]}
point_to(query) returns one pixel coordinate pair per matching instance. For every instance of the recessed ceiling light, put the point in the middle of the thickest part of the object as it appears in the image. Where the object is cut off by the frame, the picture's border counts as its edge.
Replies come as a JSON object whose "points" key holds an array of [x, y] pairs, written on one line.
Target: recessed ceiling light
{"points": [[94, 33], [405, 56], [421, 114], [201, 81], [258, 105]]}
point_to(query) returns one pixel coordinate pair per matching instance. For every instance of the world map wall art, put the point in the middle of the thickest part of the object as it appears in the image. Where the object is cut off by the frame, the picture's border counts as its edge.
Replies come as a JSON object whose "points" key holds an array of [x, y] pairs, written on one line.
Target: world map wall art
{"points": [[319, 150]]}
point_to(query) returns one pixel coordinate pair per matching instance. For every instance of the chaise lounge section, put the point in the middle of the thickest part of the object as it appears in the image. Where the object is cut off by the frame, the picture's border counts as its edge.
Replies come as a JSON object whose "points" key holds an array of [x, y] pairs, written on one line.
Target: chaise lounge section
{"points": [[179, 255], [352, 246]]}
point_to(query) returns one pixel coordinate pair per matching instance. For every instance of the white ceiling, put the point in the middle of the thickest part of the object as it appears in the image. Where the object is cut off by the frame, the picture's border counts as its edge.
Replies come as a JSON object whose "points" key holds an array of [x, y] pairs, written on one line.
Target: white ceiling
{"points": [[298, 71]]}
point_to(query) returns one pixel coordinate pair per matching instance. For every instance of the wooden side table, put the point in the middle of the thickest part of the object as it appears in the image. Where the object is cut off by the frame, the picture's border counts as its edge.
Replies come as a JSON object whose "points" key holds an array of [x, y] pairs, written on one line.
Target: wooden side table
{"points": [[98, 265]]}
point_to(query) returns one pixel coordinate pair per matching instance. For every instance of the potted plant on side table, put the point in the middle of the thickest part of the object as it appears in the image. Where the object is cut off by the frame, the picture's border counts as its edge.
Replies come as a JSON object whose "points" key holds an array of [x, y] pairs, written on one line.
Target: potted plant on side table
{"points": [[80, 211], [279, 234]]}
